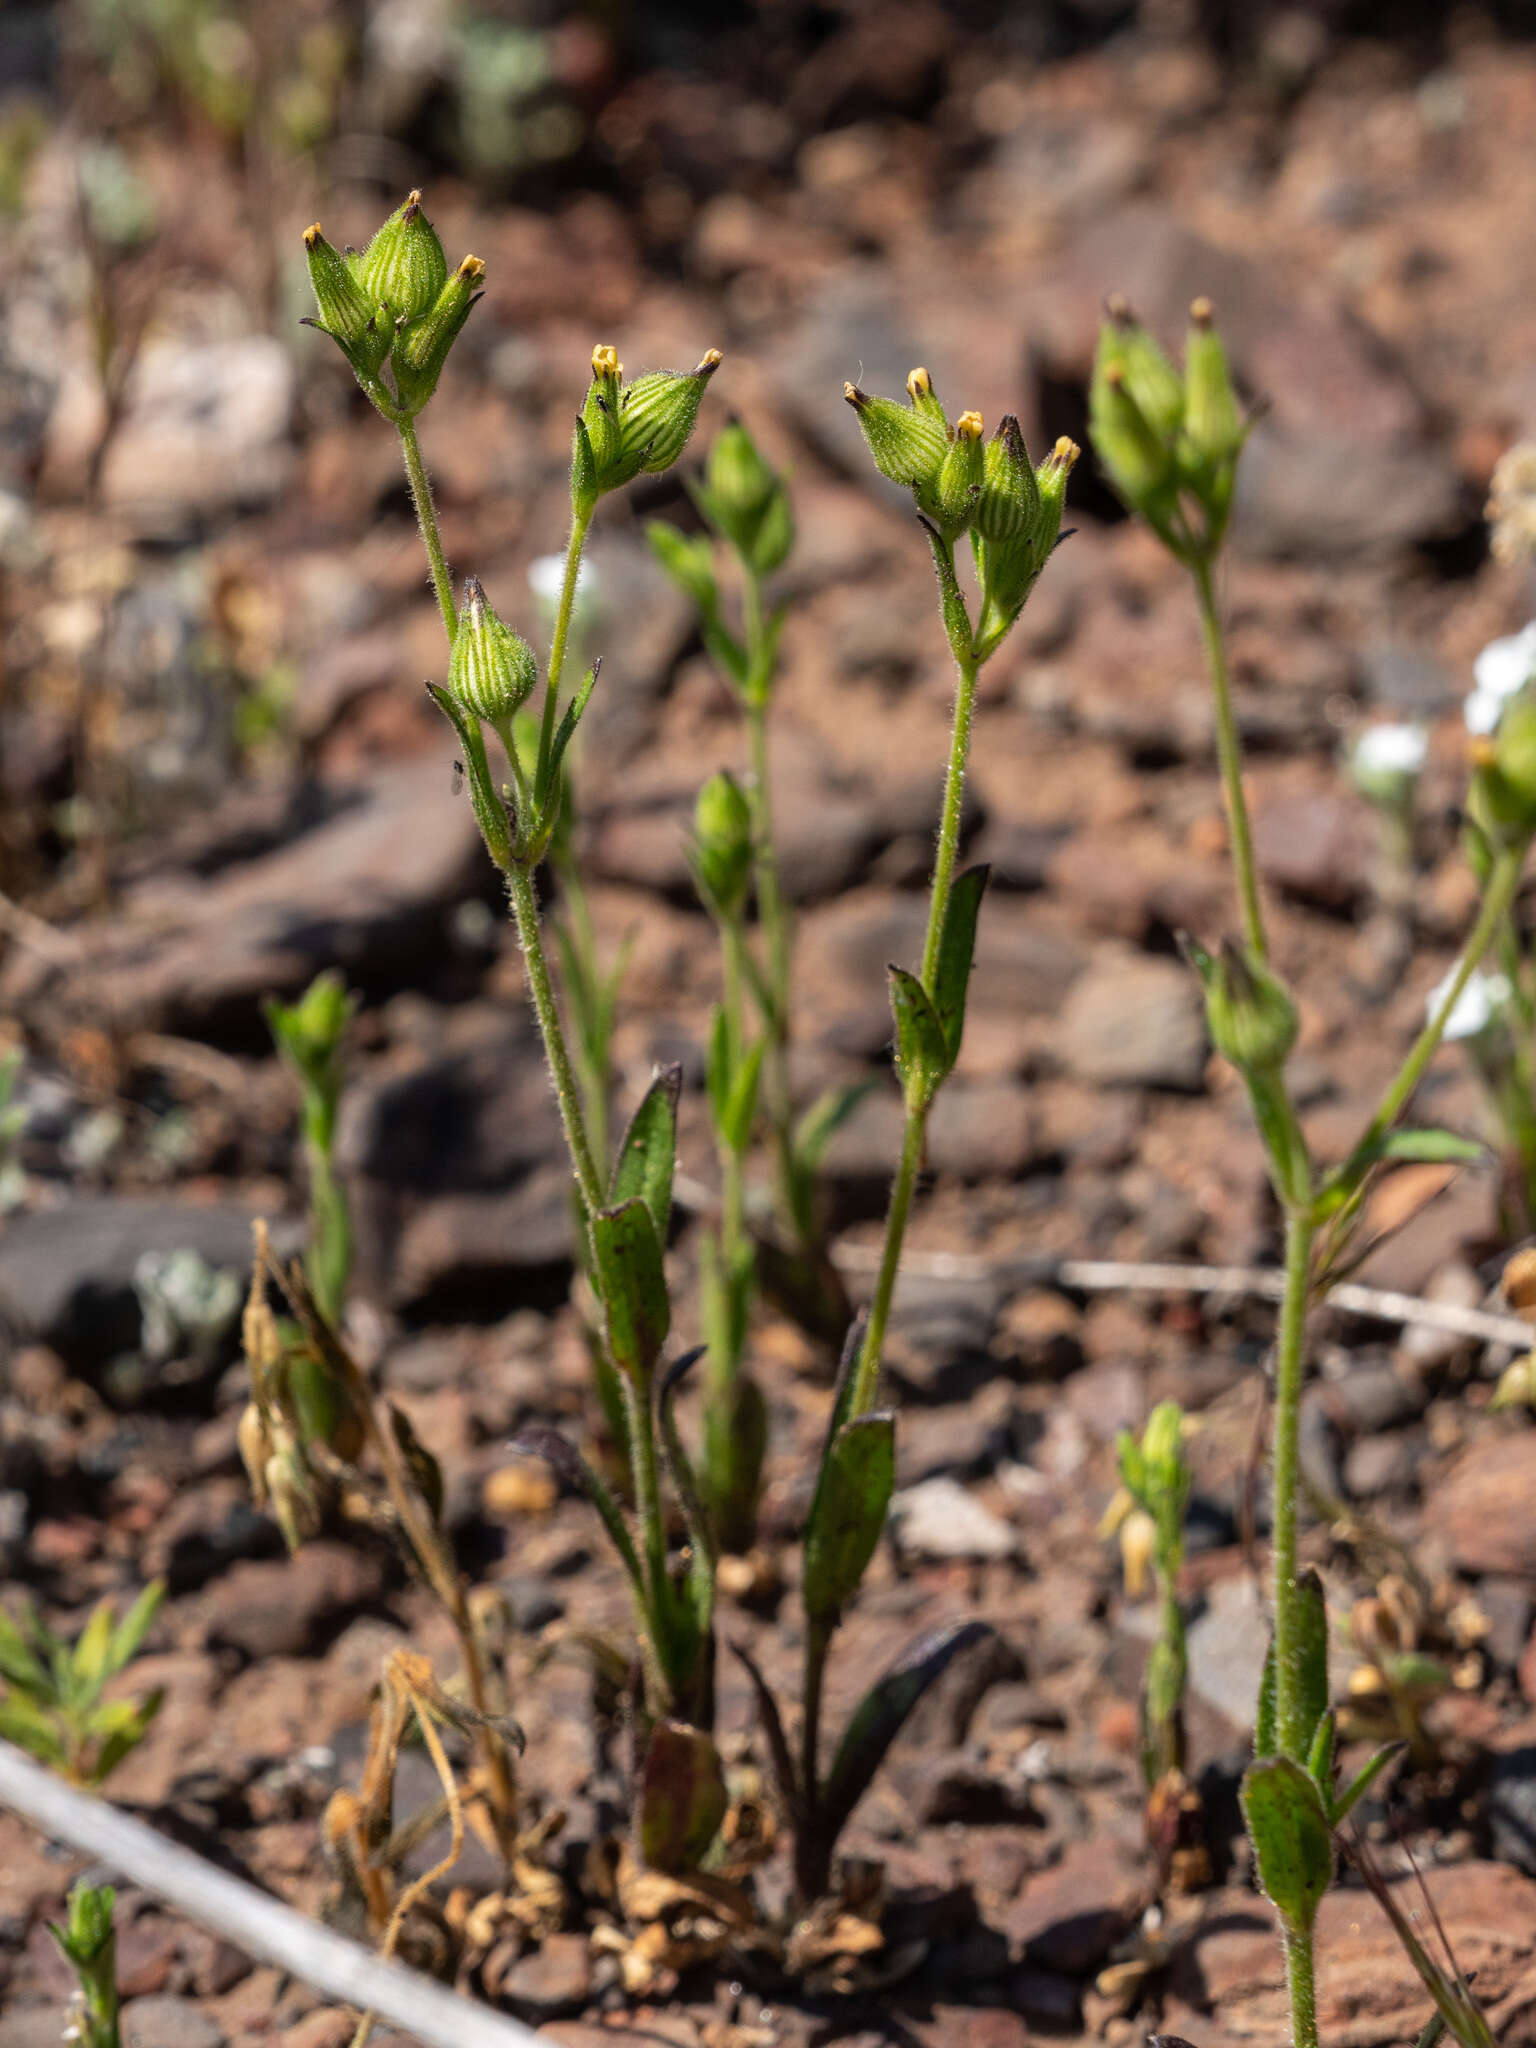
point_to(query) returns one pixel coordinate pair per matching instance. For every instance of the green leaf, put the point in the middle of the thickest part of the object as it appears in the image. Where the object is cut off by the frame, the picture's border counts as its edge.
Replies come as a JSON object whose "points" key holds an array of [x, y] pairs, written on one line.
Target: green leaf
{"points": [[773, 1730], [25, 1723], [1291, 1839], [120, 1727], [565, 732], [490, 811], [1320, 1756], [1363, 1780], [922, 1051], [88, 1667], [680, 1799], [957, 946], [1311, 1656], [18, 1661], [680, 1466], [719, 1065], [880, 1716], [633, 1285], [649, 1149], [849, 1512], [735, 1123], [1432, 1148], [135, 1625], [570, 1466]]}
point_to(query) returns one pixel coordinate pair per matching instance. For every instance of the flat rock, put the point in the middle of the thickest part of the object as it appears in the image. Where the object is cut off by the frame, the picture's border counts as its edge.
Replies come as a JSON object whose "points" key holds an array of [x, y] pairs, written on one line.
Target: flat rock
{"points": [[279, 1608], [169, 2023], [1316, 847], [1485, 1510], [938, 1518], [1133, 1022], [205, 430], [66, 1273], [369, 888], [1227, 1647], [1368, 1992], [1069, 1916]]}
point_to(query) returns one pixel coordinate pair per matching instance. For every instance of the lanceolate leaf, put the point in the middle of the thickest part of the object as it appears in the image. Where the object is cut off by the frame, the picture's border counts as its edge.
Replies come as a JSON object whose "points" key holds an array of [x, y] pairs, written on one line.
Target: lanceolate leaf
{"points": [[1291, 1838], [1433, 1148], [549, 777], [135, 1625], [849, 1512], [646, 1156], [539, 1442], [879, 1717], [681, 1797], [633, 1286], [922, 1052], [735, 1123], [1312, 1666], [773, 1731], [957, 946]]}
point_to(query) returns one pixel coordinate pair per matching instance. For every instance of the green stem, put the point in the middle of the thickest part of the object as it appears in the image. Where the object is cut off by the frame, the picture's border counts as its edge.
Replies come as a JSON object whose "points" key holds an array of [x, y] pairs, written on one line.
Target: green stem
{"points": [[733, 1194], [556, 670], [525, 910], [1300, 1230], [949, 818], [1500, 894], [1229, 751], [1299, 1983], [426, 519], [653, 1527], [867, 1372], [818, 1640]]}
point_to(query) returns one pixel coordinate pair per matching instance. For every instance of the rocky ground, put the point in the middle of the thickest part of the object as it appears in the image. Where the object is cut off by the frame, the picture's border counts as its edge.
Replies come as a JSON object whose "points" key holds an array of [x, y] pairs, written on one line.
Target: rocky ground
{"points": [[221, 775]]}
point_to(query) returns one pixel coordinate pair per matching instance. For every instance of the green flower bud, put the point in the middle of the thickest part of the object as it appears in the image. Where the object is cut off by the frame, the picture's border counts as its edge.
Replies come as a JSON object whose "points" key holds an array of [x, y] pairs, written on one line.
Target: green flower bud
{"points": [[1252, 1018], [600, 418], [1213, 425], [1024, 518], [492, 670], [404, 267], [747, 501], [957, 488], [1162, 1448], [347, 314], [1009, 506], [1139, 462], [422, 348], [1150, 377], [908, 442], [689, 560], [722, 846], [658, 412]]}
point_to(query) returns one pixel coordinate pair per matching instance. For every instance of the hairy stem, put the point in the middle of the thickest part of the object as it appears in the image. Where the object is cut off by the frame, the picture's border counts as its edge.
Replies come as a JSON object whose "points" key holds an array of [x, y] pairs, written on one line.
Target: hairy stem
{"points": [[525, 910], [426, 519], [1303, 1991], [1300, 1230], [1229, 752], [868, 1370], [557, 646]]}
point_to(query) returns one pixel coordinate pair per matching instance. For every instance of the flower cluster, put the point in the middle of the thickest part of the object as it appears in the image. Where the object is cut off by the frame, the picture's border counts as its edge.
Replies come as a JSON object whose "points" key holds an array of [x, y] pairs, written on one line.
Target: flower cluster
{"points": [[961, 484]]}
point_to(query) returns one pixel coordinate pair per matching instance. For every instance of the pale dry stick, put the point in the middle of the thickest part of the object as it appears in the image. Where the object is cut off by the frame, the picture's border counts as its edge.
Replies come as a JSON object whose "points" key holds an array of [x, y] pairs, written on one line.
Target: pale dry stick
{"points": [[1131, 1276], [255, 1923]]}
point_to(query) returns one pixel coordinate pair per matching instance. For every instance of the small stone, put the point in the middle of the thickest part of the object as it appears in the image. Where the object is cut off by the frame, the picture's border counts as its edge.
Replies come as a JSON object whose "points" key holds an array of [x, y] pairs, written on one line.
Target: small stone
{"points": [[169, 2023], [1133, 1022], [550, 1981], [1316, 848], [524, 1488], [277, 1609], [37, 2026], [959, 1787], [1379, 1464], [1511, 1808], [1486, 1509], [1071, 1915], [939, 1519], [1227, 1647]]}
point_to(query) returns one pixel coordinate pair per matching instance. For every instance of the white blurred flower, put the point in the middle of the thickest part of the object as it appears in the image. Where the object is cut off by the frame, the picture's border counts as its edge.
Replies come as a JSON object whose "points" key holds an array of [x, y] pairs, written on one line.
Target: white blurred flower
{"points": [[1390, 750], [1504, 667], [546, 575], [1475, 1008]]}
